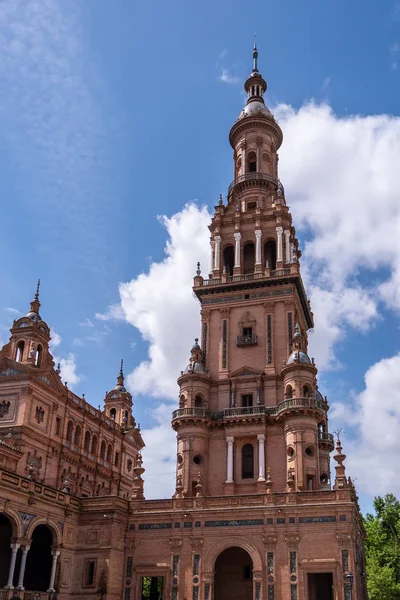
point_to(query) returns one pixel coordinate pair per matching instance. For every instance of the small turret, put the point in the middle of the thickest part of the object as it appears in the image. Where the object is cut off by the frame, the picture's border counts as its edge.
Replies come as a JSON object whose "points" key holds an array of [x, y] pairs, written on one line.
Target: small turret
{"points": [[118, 403]]}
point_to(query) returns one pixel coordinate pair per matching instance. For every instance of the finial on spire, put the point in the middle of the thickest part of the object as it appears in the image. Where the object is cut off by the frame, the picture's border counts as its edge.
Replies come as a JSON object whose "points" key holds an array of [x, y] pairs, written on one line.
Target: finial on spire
{"points": [[255, 56], [37, 291], [121, 370]]}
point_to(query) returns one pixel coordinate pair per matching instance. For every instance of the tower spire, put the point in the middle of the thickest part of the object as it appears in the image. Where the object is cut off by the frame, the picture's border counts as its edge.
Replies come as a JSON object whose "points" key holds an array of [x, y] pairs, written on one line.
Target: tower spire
{"points": [[255, 56], [35, 303], [121, 378]]}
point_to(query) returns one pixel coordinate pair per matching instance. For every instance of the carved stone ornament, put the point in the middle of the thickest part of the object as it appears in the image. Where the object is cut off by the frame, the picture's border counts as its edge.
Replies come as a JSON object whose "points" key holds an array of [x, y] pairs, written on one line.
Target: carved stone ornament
{"points": [[196, 542], [344, 540], [292, 539], [269, 540], [175, 543], [4, 408], [39, 414], [7, 372]]}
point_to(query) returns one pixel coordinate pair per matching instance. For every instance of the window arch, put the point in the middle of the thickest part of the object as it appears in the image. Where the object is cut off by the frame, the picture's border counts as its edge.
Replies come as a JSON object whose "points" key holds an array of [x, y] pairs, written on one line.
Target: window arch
{"points": [[229, 259], [94, 445], [103, 449], [86, 444], [20, 351], [113, 413], [70, 428], [38, 356], [78, 435], [109, 453], [182, 401], [270, 255], [248, 461], [289, 392], [306, 391], [198, 401], [252, 162], [249, 257]]}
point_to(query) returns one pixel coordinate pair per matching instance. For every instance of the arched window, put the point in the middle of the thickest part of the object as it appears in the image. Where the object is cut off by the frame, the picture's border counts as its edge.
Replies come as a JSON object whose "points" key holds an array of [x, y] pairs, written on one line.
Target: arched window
{"points": [[252, 162], [289, 392], [306, 391], [248, 257], [247, 461], [86, 444], [229, 259], [20, 352], [70, 428], [198, 401], [238, 167], [78, 435], [103, 449], [270, 255], [113, 413], [94, 445], [109, 453], [38, 355]]}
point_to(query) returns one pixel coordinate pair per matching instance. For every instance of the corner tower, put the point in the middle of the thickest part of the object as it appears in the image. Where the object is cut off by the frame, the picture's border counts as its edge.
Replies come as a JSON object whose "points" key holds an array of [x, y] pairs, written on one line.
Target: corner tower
{"points": [[251, 418]]}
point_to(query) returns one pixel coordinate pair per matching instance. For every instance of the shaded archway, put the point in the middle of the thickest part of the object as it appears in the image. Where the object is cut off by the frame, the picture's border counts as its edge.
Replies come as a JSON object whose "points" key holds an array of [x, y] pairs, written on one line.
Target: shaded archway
{"points": [[270, 255], [233, 575], [229, 259], [39, 560], [5, 549], [249, 257]]}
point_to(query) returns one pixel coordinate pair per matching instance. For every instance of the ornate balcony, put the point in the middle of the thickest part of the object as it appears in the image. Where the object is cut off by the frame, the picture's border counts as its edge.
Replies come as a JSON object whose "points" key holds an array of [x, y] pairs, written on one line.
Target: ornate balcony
{"points": [[327, 438], [246, 340], [198, 413], [244, 411], [251, 179]]}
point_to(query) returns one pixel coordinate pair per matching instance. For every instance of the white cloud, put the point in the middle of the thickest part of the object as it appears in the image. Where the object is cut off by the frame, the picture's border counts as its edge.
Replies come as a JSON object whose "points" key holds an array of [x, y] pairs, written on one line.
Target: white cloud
{"points": [[395, 53], [68, 369], [113, 313], [160, 303], [227, 77], [223, 53], [376, 417], [14, 311], [55, 339]]}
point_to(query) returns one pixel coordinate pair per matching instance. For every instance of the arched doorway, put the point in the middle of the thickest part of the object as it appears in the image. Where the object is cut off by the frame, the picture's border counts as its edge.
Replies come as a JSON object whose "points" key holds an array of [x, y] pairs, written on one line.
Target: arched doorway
{"points": [[39, 560], [233, 575]]}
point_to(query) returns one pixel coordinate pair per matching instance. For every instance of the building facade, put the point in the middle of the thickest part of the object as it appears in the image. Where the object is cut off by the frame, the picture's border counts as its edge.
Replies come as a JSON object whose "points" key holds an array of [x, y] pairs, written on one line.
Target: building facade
{"points": [[257, 513]]}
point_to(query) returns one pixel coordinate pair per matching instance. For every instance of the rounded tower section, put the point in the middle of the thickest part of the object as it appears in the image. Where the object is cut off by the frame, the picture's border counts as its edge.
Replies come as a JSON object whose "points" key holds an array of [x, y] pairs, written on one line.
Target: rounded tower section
{"points": [[191, 422]]}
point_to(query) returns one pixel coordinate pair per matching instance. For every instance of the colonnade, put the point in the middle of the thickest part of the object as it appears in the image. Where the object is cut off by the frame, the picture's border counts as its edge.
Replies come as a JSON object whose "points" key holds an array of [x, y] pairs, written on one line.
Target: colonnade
{"points": [[280, 234], [25, 549], [230, 440]]}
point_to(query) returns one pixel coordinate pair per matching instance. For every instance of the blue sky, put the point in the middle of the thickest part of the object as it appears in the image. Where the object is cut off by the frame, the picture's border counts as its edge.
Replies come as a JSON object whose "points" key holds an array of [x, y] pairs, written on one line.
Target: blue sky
{"points": [[114, 114]]}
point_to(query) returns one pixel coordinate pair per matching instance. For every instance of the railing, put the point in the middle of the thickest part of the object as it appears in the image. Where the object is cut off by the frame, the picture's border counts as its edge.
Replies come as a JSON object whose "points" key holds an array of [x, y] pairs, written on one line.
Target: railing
{"points": [[244, 411], [247, 277], [324, 436], [255, 176], [268, 411], [6, 594], [246, 340], [191, 412]]}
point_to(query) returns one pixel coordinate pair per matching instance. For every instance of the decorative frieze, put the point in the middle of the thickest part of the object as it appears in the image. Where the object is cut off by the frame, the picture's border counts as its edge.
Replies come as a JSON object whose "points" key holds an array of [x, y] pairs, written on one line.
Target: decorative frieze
{"points": [[247, 296], [330, 519], [143, 526], [239, 523]]}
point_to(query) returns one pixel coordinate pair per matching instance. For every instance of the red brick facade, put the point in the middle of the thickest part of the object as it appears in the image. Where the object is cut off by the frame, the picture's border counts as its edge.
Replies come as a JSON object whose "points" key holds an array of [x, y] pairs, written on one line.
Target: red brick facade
{"points": [[256, 514]]}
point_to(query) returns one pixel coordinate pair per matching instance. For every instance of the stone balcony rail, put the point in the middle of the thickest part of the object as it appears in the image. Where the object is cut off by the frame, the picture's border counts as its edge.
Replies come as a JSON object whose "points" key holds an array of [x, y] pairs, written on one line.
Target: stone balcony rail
{"points": [[324, 436], [7, 594], [250, 276], [244, 411], [254, 176]]}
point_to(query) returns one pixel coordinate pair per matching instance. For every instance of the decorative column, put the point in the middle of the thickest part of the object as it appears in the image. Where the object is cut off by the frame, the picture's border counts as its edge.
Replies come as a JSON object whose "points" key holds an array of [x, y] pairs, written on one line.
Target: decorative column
{"points": [[279, 231], [55, 554], [229, 464], [287, 247], [25, 551], [258, 233], [14, 550], [261, 457], [237, 237], [217, 249], [212, 244]]}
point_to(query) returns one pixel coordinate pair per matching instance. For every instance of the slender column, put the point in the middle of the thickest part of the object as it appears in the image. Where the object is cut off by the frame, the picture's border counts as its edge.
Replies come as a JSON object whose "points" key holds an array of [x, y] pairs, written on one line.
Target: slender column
{"points": [[291, 251], [258, 233], [14, 550], [261, 457], [212, 253], [258, 397], [55, 554], [237, 237], [22, 567], [217, 249], [279, 231], [229, 464], [287, 247], [259, 159], [233, 399]]}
